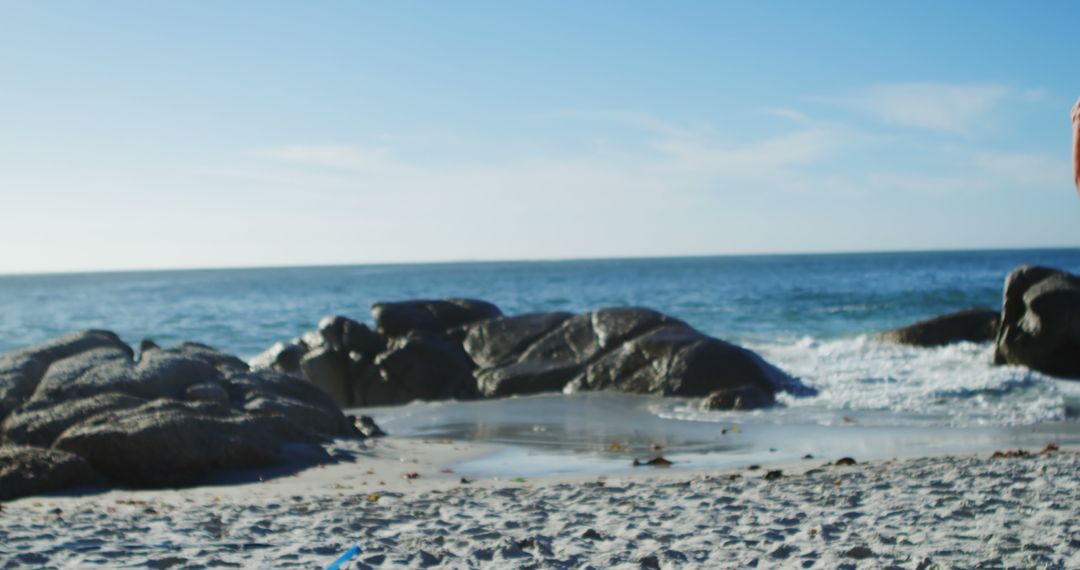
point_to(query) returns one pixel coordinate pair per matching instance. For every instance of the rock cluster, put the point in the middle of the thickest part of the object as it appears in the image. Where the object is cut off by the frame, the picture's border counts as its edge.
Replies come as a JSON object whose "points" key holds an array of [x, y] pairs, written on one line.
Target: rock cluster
{"points": [[462, 348], [1038, 325], [82, 409], [1040, 321]]}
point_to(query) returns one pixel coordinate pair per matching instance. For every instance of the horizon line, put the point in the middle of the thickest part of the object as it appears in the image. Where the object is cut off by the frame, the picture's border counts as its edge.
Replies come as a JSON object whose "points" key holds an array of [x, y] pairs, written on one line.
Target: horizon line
{"points": [[521, 260]]}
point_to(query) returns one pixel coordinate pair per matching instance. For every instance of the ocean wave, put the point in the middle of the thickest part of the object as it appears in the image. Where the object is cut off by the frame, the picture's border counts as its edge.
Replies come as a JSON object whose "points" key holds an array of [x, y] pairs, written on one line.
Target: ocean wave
{"points": [[866, 380]]}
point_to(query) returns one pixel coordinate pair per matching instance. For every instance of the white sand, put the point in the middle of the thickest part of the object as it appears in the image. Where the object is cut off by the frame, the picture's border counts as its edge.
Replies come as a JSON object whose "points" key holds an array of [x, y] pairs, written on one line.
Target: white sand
{"points": [[949, 511]]}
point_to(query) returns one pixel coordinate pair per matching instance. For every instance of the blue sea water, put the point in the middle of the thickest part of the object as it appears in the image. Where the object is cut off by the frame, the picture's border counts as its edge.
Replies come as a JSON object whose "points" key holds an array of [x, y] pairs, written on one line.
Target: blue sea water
{"points": [[815, 316]]}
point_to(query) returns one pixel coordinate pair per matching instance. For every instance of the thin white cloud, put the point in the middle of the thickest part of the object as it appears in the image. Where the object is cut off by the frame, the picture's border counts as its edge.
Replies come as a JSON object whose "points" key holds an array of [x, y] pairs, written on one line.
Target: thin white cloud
{"points": [[332, 156], [943, 107], [757, 159], [786, 113], [636, 119]]}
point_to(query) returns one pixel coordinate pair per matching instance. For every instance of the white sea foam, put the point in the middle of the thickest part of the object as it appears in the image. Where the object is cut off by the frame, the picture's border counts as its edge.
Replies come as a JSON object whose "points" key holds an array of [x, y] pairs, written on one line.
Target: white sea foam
{"points": [[878, 383]]}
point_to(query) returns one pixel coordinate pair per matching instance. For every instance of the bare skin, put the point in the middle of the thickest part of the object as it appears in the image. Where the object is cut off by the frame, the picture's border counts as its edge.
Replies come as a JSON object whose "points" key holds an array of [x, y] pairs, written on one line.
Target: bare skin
{"points": [[1076, 144]]}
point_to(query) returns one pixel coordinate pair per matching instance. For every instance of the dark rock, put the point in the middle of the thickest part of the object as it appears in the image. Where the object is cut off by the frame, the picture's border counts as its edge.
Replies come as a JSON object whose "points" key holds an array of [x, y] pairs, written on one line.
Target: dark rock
{"points": [[226, 363], [299, 413], [773, 475], [436, 350], [582, 338], [63, 374], [34, 470], [499, 341], [971, 325], [276, 385], [173, 443], [658, 461], [368, 386], [19, 377], [522, 378], [845, 461], [283, 357], [859, 552], [210, 392], [651, 561], [397, 319], [147, 344], [673, 360], [367, 426], [357, 337], [427, 366], [41, 423], [173, 417], [1040, 321], [20, 371], [159, 374], [332, 330], [329, 370], [741, 398]]}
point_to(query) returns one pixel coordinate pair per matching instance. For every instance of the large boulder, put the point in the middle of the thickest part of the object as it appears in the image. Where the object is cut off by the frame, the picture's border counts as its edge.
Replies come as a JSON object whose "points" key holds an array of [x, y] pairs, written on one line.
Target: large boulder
{"points": [[175, 443], [426, 366], [971, 325], [172, 417], [1040, 321], [673, 360], [22, 370], [40, 423], [34, 470], [400, 318], [628, 349], [329, 370]]}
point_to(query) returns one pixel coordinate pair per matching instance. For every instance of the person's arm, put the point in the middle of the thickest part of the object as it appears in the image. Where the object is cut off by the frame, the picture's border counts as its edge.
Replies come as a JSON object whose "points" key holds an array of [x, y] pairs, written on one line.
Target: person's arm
{"points": [[1076, 144]]}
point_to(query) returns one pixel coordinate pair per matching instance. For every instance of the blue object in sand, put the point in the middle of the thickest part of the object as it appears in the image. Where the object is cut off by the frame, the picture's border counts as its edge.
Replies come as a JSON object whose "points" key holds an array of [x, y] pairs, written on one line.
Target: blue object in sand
{"points": [[349, 554]]}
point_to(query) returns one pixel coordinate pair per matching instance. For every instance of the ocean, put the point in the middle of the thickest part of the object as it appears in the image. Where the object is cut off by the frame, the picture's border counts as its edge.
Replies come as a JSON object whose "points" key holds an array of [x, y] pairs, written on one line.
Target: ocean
{"points": [[814, 316]]}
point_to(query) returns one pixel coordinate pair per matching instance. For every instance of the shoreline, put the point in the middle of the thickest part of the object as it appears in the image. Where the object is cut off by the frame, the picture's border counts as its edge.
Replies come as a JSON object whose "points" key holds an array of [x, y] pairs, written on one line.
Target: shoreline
{"points": [[869, 514]]}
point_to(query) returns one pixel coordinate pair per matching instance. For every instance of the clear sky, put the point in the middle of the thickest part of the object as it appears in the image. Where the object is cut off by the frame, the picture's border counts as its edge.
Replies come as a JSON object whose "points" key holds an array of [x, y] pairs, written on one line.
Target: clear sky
{"points": [[143, 134]]}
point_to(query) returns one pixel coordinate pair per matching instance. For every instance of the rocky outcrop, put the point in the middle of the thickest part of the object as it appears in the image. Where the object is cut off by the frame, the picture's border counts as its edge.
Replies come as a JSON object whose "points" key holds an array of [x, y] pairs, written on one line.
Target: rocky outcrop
{"points": [[461, 349], [971, 325], [174, 443], [171, 417], [34, 470], [1040, 321]]}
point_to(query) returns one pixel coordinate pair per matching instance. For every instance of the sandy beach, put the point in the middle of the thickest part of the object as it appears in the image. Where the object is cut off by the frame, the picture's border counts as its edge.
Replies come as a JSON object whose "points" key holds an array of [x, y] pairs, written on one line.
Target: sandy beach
{"points": [[404, 507]]}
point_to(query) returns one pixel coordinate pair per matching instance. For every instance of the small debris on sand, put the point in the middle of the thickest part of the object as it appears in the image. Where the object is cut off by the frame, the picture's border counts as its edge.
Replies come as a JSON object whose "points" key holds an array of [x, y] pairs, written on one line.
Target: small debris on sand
{"points": [[658, 461], [1010, 453]]}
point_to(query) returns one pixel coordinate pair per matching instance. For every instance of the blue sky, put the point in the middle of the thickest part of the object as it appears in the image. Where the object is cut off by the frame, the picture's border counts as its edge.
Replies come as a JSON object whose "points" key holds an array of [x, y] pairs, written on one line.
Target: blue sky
{"points": [[213, 134]]}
